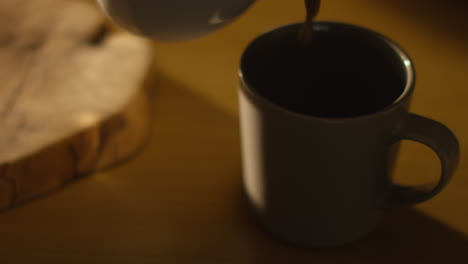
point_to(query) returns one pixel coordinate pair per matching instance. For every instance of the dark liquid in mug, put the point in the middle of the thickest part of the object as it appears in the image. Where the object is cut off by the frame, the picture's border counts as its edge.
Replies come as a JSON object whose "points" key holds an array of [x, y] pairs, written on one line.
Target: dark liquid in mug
{"points": [[340, 74]]}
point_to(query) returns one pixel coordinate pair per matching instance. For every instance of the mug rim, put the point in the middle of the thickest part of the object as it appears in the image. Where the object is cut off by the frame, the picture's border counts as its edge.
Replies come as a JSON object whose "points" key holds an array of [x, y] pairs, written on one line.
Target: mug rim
{"points": [[407, 63]]}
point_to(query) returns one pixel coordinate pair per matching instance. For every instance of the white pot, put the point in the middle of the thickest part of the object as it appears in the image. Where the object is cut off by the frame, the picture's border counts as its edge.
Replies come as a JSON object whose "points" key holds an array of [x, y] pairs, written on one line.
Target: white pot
{"points": [[173, 20]]}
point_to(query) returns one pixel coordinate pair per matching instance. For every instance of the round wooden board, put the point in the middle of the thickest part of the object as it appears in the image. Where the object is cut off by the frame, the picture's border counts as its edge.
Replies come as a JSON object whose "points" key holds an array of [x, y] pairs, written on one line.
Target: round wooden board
{"points": [[74, 96]]}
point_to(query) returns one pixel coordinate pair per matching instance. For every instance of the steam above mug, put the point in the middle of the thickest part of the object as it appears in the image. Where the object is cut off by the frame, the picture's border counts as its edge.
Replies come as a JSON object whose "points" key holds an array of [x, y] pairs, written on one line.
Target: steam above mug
{"points": [[173, 20]]}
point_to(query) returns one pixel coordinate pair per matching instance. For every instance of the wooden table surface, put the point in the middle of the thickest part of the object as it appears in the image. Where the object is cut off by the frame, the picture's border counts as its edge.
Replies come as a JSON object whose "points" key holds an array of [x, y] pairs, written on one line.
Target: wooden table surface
{"points": [[180, 200]]}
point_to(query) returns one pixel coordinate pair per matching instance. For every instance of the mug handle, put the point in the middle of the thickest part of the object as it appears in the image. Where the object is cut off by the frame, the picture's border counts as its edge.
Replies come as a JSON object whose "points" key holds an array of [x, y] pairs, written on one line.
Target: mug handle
{"points": [[443, 141]]}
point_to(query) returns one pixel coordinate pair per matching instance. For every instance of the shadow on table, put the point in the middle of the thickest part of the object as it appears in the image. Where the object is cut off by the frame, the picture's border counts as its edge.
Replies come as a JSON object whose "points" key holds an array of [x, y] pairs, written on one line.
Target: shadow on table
{"points": [[180, 201], [446, 19], [186, 190], [404, 236]]}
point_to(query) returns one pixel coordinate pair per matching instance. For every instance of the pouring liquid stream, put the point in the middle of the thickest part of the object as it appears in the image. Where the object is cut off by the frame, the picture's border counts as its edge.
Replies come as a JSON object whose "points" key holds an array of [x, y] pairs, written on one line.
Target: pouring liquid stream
{"points": [[306, 33]]}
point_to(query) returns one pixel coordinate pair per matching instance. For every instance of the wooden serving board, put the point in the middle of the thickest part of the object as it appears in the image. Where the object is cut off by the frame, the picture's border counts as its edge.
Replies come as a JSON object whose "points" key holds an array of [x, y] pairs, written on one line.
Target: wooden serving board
{"points": [[73, 95]]}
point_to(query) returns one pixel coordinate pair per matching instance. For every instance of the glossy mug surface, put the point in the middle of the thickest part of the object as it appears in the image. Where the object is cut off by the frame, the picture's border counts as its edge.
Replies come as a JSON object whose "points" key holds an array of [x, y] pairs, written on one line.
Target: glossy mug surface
{"points": [[319, 130]]}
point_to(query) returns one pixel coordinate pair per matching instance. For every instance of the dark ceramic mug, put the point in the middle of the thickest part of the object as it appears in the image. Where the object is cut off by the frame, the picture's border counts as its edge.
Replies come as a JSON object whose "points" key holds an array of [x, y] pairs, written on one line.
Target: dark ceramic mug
{"points": [[325, 181]]}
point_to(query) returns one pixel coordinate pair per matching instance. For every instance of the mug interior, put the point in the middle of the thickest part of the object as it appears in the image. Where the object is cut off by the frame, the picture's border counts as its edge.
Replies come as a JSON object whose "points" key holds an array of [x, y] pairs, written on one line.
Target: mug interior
{"points": [[347, 71]]}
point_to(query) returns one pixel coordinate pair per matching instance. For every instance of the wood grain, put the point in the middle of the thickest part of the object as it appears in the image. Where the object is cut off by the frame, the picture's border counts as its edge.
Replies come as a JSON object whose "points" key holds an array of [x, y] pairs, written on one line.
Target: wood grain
{"points": [[73, 98]]}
